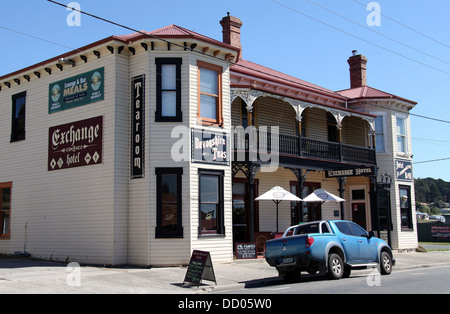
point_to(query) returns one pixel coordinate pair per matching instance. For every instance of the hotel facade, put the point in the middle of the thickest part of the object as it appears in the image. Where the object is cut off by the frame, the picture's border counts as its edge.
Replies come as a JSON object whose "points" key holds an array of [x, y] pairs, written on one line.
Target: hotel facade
{"points": [[138, 149]]}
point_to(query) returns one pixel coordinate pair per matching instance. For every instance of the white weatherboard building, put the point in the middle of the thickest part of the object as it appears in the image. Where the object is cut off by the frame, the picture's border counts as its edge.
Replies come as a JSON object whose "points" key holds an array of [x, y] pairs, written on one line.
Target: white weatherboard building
{"points": [[138, 149]]}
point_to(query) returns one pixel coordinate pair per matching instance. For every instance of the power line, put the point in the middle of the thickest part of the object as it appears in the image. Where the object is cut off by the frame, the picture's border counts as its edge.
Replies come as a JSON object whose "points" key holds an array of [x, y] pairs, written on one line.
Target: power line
{"points": [[35, 37], [236, 64], [376, 32], [428, 161], [357, 37], [406, 26]]}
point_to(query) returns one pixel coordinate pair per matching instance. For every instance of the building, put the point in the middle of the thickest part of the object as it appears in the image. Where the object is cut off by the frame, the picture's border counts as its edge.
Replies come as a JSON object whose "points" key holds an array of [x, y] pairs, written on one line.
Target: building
{"points": [[138, 149]]}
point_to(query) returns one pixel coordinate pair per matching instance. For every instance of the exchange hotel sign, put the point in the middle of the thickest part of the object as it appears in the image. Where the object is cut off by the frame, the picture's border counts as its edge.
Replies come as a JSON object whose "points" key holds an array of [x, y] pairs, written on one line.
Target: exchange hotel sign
{"points": [[75, 144], [76, 91]]}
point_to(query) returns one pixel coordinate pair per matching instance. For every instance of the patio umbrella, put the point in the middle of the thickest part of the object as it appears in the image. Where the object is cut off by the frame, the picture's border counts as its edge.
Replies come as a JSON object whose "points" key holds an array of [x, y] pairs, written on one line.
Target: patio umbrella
{"points": [[321, 195], [277, 195]]}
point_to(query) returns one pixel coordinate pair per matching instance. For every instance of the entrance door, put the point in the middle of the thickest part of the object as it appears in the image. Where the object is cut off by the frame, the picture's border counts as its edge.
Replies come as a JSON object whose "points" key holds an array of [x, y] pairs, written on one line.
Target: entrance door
{"points": [[239, 219], [358, 204], [307, 211], [241, 210]]}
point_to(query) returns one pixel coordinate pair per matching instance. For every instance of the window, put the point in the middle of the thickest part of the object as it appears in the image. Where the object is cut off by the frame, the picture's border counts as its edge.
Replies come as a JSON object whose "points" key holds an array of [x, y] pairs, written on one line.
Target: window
{"points": [[379, 135], [169, 203], [209, 93], [405, 207], [357, 230], [401, 135], [5, 210], [211, 203], [333, 135], [168, 90], [18, 117], [344, 227]]}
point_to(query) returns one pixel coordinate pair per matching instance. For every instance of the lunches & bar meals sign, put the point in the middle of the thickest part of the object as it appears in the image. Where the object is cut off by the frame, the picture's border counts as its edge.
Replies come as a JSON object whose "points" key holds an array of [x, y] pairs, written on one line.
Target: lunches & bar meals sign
{"points": [[75, 144], [76, 91]]}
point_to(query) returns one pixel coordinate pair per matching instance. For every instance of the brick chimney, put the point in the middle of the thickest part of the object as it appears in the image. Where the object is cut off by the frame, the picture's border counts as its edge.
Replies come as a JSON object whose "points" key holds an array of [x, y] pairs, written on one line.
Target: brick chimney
{"points": [[358, 77], [231, 30]]}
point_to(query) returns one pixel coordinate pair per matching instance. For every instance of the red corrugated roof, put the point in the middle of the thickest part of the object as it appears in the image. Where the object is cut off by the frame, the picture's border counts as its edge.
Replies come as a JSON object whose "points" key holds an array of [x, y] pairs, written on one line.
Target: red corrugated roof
{"points": [[256, 70], [369, 92], [174, 31]]}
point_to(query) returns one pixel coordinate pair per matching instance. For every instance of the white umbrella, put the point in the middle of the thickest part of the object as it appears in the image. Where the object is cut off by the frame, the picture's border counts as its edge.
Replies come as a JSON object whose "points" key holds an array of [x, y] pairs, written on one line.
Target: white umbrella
{"points": [[321, 195], [278, 194]]}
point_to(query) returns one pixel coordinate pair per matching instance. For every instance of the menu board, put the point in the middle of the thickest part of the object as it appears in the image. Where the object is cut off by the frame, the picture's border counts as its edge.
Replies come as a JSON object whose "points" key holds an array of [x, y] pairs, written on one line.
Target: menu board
{"points": [[200, 267]]}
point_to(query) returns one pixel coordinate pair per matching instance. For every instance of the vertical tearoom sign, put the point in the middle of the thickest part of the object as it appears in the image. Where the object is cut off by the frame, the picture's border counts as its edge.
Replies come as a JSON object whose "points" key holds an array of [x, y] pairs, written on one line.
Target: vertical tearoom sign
{"points": [[137, 126]]}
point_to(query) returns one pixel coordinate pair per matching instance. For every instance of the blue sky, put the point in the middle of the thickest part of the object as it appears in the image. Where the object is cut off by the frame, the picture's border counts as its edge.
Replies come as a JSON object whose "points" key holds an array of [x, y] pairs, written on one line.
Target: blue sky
{"points": [[314, 48]]}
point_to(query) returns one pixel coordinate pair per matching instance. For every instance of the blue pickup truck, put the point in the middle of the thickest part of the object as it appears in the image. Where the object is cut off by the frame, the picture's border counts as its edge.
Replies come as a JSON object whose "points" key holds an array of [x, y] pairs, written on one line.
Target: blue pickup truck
{"points": [[332, 247]]}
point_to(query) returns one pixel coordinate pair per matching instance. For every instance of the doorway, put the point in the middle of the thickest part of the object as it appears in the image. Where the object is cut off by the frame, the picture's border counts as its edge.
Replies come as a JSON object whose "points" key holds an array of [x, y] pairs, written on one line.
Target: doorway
{"points": [[305, 211], [241, 211], [358, 206]]}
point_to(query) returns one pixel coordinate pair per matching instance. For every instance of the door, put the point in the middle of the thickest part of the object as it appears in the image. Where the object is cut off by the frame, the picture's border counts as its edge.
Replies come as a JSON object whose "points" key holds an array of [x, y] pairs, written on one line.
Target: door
{"points": [[239, 220], [305, 211], [349, 242], [241, 210], [367, 247], [358, 205], [359, 214]]}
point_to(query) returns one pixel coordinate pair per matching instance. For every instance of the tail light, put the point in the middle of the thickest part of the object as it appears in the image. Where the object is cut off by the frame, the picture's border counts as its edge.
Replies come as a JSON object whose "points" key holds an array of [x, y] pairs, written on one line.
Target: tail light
{"points": [[309, 241]]}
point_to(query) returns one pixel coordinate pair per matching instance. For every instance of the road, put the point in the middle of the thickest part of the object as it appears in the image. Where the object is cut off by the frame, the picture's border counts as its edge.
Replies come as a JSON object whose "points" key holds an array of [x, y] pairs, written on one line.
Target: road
{"points": [[430, 280]]}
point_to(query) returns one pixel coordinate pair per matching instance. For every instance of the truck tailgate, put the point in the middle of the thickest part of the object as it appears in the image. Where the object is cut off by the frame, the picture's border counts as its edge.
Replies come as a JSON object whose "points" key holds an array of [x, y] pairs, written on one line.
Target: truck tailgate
{"points": [[283, 249]]}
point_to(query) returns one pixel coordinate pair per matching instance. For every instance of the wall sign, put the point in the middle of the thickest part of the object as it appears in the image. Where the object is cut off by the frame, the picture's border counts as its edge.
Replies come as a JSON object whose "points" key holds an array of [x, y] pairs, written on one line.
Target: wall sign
{"points": [[352, 172], [246, 250], [403, 170], [209, 147], [76, 91], [75, 144], [137, 126]]}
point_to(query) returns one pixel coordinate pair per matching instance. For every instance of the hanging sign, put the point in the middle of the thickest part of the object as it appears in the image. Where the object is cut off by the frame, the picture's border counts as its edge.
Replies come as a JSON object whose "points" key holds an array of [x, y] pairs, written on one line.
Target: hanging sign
{"points": [[75, 144], [403, 170], [137, 126], [210, 147], [76, 91], [200, 267]]}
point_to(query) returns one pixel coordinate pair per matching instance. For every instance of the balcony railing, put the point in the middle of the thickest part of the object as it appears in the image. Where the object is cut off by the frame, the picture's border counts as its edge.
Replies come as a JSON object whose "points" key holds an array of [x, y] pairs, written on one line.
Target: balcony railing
{"points": [[302, 147]]}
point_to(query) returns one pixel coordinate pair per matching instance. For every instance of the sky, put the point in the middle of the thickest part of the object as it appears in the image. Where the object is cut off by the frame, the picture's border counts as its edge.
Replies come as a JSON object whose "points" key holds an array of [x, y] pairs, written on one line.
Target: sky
{"points": [[408, 46]]}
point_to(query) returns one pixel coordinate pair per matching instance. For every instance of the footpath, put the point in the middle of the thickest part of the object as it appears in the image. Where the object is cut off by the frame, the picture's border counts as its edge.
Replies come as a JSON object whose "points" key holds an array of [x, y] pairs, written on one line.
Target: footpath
{"points": [[21, 276]]}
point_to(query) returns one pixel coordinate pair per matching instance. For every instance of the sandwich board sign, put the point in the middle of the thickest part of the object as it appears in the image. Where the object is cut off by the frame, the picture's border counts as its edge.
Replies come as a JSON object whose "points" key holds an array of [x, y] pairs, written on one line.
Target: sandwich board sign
{"points": [[200, 267]]}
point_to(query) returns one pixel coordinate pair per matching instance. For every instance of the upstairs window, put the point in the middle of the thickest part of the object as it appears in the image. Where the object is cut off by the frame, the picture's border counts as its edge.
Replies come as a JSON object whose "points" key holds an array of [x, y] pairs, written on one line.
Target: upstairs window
{"points": [[379, 134], [209, 94], [401, 135], [18, 117], [168, 90]]}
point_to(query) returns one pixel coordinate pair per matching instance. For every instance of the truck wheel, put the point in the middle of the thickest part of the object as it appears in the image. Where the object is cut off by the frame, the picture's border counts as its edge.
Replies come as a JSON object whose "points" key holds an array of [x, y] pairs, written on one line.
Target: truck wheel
{"points": [[385, 263], [335, 266]]}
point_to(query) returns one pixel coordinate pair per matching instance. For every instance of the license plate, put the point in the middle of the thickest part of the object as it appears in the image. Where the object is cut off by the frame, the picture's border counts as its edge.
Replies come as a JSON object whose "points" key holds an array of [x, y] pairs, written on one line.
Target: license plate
{"points": [[288, 260]]}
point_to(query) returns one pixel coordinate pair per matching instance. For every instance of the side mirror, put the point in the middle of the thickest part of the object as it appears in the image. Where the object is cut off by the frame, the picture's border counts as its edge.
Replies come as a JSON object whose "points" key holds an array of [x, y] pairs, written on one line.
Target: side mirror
{"points": [[371, 234]]}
